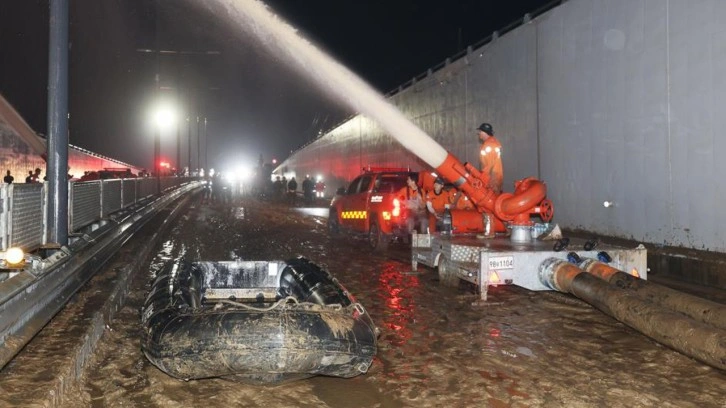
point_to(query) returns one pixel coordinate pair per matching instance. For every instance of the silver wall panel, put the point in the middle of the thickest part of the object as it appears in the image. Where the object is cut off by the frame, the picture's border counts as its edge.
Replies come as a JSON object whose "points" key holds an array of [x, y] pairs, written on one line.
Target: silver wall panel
{"points": [[696, 37], [110, 197], [26, 212], [146, 187], [630, 87], [85, 204], [128, 192], [606, 100]]}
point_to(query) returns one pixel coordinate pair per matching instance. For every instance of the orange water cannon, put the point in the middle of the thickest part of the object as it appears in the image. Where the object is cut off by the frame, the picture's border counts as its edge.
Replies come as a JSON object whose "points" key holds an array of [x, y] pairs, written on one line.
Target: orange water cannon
{"points": [[528, 198]]}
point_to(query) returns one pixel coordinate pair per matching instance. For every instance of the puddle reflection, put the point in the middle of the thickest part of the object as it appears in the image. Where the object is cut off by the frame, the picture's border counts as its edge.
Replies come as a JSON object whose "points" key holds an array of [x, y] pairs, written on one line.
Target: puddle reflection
{"points": [[396, 290]]}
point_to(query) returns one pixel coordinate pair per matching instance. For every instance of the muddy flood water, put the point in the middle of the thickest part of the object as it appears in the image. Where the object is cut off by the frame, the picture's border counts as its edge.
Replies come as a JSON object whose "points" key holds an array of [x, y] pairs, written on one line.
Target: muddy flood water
{"points": [[436, 349]]}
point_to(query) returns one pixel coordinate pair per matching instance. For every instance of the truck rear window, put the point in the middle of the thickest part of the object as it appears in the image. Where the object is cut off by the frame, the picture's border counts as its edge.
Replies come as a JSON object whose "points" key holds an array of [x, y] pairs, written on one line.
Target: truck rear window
{"points": [[389, 183]]}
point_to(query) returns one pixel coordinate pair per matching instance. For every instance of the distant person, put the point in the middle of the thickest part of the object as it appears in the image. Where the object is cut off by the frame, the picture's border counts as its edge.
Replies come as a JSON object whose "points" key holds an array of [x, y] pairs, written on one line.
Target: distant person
{"points": [[278, 188], [29, 179], [207, 191], [308, 186], [284, 187], [227, 187], [292, 190], [36, 175], [9, 178], [217, 189], [460, 201], [491, 158]]}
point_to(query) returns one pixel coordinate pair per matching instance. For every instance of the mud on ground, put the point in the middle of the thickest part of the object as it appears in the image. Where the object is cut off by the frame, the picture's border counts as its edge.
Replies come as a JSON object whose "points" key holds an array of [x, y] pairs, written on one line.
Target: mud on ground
{"points": [[523, 349]]}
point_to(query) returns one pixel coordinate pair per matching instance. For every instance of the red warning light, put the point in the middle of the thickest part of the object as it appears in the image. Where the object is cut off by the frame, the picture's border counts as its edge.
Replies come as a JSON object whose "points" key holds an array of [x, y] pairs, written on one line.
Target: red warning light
{"points": [[396, 207]]}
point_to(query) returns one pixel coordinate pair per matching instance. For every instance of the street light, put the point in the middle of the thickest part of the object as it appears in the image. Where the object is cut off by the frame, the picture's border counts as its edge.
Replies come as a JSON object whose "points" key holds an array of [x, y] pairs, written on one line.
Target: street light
{"points": [[164, 116]]}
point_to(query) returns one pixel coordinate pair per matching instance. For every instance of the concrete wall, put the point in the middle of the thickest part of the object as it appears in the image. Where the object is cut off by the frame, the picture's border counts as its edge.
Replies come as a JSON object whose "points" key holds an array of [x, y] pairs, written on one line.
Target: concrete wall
{"points": [[605, 100]]}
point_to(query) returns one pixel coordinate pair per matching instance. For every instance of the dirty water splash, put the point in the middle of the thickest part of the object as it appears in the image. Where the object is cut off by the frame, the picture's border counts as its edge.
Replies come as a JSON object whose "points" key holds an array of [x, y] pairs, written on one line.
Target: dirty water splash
{"points": [[253, 17]]}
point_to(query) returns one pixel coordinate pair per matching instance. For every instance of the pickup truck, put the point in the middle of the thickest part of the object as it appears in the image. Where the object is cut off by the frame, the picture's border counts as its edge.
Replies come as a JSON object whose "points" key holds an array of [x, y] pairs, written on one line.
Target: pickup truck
{"points": [[369, 207]]}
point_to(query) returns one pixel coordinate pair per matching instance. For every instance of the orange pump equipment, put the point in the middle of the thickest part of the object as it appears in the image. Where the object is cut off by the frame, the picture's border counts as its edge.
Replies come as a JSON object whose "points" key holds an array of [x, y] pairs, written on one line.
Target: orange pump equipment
{"points": [[529, 198]]}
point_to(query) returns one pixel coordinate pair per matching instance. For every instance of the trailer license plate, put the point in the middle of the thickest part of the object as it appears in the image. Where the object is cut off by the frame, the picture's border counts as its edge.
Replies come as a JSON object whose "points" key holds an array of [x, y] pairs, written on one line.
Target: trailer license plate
{"points": [[501, 262]]}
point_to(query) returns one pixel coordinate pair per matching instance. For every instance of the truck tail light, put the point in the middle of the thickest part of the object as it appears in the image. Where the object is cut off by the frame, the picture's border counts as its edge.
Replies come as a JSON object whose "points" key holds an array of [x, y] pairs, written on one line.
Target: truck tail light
{"points": [[396, 207], [386, 215]]}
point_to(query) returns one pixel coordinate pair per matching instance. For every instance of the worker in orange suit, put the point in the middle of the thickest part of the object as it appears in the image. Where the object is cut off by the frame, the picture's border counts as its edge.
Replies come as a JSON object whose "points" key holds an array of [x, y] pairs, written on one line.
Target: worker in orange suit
{"points": [[438, 200], [491, 158], [460, 201], [413, 201]]}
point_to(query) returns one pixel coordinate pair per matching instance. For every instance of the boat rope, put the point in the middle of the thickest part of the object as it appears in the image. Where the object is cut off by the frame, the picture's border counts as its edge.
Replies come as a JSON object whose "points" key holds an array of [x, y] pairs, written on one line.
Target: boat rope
{"points": [[260, 309]]}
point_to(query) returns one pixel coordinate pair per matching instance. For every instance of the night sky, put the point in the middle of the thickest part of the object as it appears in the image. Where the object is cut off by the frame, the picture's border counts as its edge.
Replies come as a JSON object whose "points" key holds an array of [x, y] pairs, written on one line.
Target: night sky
{"points": [[253, 104]]}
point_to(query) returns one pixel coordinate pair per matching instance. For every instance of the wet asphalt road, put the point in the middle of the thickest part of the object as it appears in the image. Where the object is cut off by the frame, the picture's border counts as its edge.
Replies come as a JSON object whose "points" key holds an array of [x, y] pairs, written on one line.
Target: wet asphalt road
{"points": [[436, 349]]}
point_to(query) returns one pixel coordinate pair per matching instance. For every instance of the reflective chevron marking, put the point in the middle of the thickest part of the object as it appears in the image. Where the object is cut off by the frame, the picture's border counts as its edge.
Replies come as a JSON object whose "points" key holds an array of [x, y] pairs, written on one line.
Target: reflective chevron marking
{"points": [[354, 215]]}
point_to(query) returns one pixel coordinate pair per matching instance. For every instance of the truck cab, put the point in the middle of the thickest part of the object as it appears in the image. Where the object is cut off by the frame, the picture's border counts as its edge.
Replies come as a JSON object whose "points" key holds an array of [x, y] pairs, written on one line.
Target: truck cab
{"points": [[369, 207]]}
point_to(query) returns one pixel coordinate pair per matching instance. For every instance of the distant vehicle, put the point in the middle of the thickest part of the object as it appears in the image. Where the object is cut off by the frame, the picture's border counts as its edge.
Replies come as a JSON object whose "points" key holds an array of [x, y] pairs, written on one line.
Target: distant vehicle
{"points": [[108, 173], [320, 189], [369, 207]]}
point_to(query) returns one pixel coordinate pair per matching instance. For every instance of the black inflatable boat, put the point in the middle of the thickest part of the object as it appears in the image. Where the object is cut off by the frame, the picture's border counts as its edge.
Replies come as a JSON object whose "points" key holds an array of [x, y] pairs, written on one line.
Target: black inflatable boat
{"points": [[262, 322]]}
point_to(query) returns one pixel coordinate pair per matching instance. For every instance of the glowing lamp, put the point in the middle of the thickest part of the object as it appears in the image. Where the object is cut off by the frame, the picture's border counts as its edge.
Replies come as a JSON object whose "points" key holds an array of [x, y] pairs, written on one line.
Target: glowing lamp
{"points": [[164, 115], [14, 256]]}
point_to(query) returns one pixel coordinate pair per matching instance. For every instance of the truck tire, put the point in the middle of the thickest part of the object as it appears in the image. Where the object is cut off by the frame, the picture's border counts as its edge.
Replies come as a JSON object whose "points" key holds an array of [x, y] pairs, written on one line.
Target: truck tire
{"points": [[447, 275], [377, 240], [333, 225]]}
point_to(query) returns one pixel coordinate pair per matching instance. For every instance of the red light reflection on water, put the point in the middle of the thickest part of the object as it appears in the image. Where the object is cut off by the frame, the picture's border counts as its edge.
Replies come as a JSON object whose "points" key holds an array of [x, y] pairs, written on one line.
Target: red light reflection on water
{"points": [[394, 301], [396, 289]]}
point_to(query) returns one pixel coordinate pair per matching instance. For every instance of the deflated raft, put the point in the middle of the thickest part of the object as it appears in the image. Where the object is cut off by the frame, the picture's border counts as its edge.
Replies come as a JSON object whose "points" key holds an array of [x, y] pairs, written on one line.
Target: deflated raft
{"points": [[262, 322]]}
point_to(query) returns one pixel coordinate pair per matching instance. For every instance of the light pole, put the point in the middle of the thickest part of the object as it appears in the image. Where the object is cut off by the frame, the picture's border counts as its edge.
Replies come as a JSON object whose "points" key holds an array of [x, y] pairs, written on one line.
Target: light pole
{"points": [[206, 165], [57, 168], [164, 118], [189, 144], [157, 149]]}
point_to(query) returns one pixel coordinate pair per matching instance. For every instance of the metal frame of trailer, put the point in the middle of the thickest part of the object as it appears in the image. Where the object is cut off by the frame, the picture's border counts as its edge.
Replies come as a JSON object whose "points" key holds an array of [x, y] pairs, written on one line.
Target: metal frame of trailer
{"points": [[499, 261]]}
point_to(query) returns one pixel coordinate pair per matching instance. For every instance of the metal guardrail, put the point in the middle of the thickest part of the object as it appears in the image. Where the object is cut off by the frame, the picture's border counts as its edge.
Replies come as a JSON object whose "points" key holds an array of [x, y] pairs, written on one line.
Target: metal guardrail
{"points": [[31, 296], [23, 206]]}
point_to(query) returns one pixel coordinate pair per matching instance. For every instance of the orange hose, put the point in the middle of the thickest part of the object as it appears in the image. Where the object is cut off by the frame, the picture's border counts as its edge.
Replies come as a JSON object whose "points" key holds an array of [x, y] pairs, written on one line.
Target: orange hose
{"points": [[528, 193]]}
